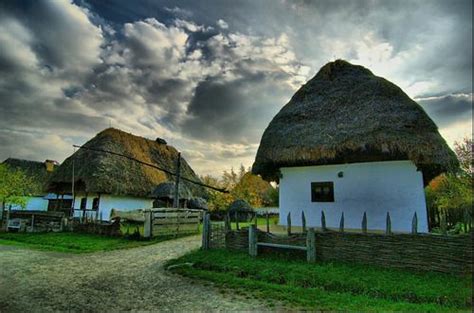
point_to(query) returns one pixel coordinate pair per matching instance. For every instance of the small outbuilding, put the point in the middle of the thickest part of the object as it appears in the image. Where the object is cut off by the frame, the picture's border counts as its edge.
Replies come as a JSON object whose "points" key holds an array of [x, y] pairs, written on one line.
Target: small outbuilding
{"points": [[164, 195], [351, 142], [241, 210]]}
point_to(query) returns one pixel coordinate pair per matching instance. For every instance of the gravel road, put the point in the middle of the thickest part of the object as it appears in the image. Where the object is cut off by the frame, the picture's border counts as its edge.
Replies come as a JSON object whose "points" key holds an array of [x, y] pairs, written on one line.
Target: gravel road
{"points": [[115, 281]]}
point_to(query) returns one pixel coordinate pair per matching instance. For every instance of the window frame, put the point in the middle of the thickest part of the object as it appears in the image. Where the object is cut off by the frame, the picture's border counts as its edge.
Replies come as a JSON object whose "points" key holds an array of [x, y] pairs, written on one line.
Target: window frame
{"points": [[323, 198]]}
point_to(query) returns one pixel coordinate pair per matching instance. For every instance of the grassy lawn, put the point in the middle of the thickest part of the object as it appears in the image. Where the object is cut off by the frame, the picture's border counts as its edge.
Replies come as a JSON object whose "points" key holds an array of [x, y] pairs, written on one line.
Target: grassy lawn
{"points": [[327, 286], [73, 242]]}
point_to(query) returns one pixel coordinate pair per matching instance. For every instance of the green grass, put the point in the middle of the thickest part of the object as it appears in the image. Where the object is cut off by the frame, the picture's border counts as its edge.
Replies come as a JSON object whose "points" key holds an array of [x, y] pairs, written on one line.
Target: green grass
{"points": [[73, 242], [329, 286]]}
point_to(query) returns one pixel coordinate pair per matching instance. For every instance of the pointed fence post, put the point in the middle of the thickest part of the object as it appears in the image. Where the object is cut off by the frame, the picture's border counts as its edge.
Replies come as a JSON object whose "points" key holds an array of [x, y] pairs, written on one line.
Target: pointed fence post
{"points": [[323, 221], [414, 224], [256, 220], [148, 224], [311, 246], [341, 223], [267, 216], [288, 223], [364, 223], [303, 221], [252, 240], [388, 225]]}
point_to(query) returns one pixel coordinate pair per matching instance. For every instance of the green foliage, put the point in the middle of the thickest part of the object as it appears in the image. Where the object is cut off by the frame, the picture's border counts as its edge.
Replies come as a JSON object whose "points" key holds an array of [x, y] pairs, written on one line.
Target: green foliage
{"points": [[329, 286], [14, 186], [73, 242], [450, 194], [242, 185]]}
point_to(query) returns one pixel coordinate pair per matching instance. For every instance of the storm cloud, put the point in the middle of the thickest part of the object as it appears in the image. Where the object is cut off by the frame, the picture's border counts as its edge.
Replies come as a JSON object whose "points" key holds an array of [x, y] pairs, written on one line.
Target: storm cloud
{"points": [[209, 76]]}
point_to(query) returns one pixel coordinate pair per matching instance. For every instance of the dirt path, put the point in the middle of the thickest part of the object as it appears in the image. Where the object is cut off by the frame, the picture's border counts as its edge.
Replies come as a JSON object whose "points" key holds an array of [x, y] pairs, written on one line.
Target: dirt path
{"points": [[122, 280]]}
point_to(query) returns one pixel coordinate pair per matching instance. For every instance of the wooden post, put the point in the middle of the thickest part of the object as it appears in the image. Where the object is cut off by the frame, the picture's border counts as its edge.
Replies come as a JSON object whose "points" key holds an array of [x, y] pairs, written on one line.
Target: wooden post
{"points": [[443, 223], [303, 221], [253, 240], [311, 246], [388, 225], [236, 220], [176, 187], [414, 224], [341, 223], [267, 216], [148, 224], [288, 223], [256, 220], [32, 222], [323, 221], [364, 223], [227, 225], [206, 230]]}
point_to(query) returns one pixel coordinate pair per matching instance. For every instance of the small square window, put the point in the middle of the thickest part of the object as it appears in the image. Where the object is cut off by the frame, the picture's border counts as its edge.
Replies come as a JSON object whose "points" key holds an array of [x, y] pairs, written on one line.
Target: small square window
{"points": [[322, 192]]}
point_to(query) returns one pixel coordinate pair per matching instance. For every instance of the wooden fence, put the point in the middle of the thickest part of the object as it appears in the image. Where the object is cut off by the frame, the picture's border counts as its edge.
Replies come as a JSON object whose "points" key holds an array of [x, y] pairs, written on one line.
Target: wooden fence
{"points": [[160, 221], [422, 252], [35, 221]]}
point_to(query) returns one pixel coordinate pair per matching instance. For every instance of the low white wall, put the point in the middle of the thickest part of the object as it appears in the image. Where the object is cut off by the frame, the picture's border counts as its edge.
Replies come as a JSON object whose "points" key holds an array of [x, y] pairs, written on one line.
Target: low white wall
{"points": [[33, 204], [375, 187], [109, 202]]}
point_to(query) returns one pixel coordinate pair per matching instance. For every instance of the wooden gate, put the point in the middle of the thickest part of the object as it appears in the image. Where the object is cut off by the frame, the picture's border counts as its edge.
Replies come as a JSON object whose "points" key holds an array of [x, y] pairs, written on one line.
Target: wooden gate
{"points": [[162, 221]]}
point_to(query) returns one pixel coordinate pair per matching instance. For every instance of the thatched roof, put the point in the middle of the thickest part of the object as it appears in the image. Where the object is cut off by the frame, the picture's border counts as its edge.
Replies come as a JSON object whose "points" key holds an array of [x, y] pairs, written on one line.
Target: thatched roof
{"points": [[346, 114], [166, 191], [198, 203], [240, 206], [35, 171], [97, 172]]}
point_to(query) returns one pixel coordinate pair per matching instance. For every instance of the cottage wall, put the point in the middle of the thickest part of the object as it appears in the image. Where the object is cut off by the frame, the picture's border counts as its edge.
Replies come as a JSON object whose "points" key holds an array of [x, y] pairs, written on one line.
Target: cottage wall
{"points": [[32, 204], [375, 188], [109, 202]]}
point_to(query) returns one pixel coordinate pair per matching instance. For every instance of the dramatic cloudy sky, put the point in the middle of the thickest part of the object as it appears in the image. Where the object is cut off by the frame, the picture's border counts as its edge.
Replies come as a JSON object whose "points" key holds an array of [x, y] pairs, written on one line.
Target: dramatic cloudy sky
{"points": [[209, 76]]}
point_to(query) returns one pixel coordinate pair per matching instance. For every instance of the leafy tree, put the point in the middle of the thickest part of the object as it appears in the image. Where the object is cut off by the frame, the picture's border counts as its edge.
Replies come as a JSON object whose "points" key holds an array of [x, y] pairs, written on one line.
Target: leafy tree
{"points": [[451, 194], [241, 185], [14, 186]]}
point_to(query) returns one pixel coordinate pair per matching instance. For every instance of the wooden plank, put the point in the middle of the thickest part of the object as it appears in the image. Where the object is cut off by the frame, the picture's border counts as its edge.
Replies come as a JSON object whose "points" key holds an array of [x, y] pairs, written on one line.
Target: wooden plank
{"points": [[205, 232], [311, 246], [288, 223], [267, 217], [323, 221], [278, 245], [364, 223], [147, 227], [303, 221], [252, 240], [414, 224], [388, 224], [341, 223]]}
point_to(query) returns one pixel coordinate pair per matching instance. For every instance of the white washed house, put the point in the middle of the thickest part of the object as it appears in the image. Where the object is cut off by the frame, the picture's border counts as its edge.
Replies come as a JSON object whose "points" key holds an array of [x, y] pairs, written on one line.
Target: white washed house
{"points": [[349, 141], [103, 181]]}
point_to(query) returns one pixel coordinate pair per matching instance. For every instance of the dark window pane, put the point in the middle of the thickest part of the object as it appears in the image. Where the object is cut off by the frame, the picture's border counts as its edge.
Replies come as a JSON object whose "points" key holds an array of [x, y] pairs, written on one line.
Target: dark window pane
{"points": [[322, 192], [95, 204], [83, 203]]}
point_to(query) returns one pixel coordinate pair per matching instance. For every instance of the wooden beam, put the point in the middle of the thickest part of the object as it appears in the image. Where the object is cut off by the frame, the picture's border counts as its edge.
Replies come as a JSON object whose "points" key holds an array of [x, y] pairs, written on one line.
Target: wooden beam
{"points": [[311, 246], [252, 240]]}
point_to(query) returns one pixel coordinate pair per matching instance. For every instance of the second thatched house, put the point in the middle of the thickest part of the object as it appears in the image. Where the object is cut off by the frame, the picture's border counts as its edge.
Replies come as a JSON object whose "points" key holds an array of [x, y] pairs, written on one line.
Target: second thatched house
{"points": [[351, 142], [104, 181]]}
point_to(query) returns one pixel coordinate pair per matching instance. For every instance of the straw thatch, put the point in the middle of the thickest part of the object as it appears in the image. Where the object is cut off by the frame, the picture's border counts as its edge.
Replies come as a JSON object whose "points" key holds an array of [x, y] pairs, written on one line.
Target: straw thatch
{"points": [[346, 114], [240, 206], [166, 191], [97, 172], [198, 203], [35, 172]]}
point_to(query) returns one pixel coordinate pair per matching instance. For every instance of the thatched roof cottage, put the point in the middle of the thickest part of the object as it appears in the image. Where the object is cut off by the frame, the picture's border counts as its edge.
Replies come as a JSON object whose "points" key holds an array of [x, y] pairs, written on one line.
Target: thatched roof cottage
{"points": [[349, 141], [37, 174], [104, 181]]}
